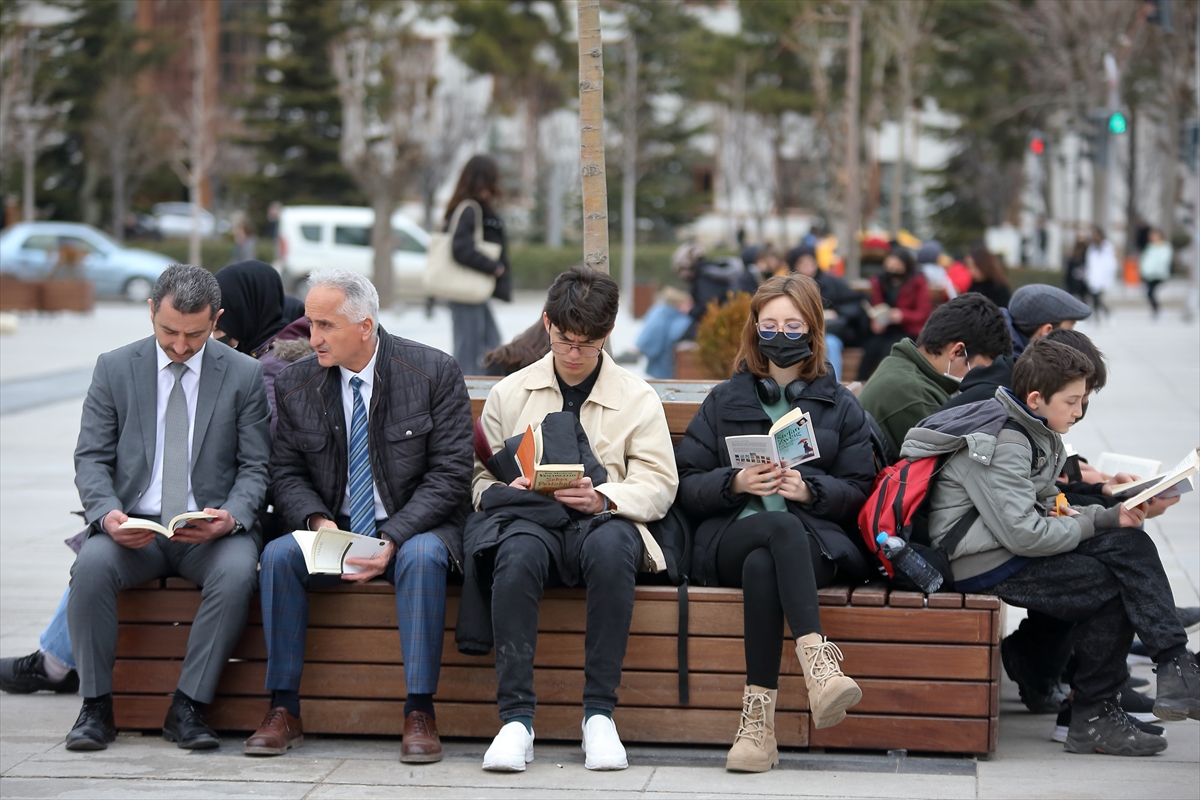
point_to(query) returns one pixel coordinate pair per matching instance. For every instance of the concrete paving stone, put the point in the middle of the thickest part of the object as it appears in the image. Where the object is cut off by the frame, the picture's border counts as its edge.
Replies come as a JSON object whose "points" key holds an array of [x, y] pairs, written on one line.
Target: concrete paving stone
{"points": [[354, 791], [1179, 781], [543, 773], [792, 783], [100, 789]]}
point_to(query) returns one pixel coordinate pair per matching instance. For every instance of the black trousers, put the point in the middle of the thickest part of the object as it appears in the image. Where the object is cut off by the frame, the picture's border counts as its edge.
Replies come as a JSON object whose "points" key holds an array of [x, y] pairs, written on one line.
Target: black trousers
{"points": [[1151, 290], [1112, 586], [524, 569], [877, 348], [778, 566]]}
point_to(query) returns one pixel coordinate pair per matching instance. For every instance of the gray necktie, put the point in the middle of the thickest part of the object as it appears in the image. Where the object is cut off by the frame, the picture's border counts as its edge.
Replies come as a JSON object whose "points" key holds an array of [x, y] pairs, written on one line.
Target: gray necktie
{"points": [[175, 449]]}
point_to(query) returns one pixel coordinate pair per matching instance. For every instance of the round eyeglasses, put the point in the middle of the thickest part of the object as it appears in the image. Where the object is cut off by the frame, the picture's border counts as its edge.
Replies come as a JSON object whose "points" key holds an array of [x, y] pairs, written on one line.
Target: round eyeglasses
{"points": [[585, 350], [792, 330]]}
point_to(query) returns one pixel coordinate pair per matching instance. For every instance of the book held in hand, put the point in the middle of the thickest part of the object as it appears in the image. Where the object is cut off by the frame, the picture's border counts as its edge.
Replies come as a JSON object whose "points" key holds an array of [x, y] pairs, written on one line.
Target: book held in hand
{"points": [[790, 442], [326, 550], [177, 522], [1165, 485], [544, 478]]}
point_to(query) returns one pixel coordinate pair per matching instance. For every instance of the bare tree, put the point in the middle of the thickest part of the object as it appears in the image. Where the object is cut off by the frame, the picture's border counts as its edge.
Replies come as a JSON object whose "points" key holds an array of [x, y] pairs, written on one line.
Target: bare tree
{"points": [[591, 130], [194, 129], [38, 122], [383, 74], [124, 136], [457, 119]]}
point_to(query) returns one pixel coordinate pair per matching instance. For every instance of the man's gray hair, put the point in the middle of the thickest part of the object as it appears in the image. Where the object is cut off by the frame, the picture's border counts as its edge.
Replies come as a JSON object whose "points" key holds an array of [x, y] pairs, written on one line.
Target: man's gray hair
{"points": [[191, 289], [362, 301]]}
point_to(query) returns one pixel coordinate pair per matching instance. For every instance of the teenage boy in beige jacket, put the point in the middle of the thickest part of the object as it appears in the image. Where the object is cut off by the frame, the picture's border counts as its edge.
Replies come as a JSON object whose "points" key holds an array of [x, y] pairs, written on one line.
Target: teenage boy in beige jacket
{"points": [[627, 430]]}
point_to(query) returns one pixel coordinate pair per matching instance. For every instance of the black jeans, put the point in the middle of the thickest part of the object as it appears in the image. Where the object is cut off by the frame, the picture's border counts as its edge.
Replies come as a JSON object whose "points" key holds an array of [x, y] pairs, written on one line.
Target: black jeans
{"points": [[608, 562], [771, 557], [1151, 289], [1112, 585]]}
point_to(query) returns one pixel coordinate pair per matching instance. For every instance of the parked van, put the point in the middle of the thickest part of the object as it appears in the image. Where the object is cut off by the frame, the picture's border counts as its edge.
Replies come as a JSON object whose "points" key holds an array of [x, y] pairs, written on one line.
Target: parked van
{"points": [[312, 237]]}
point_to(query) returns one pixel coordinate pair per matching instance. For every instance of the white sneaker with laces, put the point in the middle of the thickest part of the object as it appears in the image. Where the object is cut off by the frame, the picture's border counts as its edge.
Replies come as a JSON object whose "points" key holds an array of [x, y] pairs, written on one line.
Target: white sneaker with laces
{"points": [[511, 750], [601, 744]]}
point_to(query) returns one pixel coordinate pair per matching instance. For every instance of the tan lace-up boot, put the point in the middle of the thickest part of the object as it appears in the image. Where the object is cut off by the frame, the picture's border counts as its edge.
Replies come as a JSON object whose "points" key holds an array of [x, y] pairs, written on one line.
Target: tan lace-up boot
{"points": [[754, 749], [830, 692]]}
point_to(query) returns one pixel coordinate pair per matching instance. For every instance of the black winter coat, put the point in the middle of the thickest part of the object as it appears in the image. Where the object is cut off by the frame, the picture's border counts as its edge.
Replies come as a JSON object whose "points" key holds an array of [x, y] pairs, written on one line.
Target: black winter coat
{"points": [[851, 323], [981, 383], [840, 479], [420, 440], [463, 246]]}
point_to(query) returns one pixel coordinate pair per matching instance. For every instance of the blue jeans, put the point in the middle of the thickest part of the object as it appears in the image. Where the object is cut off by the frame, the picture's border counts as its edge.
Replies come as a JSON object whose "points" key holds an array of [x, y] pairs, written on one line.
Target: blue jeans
{"points": [[56, 639], [419, 574], [833, 348]]}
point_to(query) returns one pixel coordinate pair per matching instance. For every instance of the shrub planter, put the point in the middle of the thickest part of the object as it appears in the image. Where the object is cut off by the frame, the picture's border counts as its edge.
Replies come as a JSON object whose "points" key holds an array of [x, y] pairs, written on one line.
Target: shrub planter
{"points": [[68, 295], [643, 298], [19, 295]]}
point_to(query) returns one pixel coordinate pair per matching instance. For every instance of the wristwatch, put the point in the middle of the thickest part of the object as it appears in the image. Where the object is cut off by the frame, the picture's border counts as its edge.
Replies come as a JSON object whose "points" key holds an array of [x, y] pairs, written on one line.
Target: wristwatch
{"points": [[237, 528]]}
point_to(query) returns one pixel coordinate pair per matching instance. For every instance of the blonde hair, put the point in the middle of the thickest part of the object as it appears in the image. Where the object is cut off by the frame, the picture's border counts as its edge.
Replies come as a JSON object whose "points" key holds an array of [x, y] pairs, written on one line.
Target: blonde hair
{"points": [[806, 297]]}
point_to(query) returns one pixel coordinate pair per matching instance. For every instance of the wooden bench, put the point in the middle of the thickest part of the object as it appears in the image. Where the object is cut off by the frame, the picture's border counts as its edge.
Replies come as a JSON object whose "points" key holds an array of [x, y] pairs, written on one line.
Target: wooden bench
{"points": [[929, 667]]}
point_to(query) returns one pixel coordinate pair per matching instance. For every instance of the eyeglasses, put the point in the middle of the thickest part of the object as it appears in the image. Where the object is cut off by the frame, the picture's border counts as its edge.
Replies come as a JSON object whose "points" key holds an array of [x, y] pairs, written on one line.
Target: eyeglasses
{"points": [[585, 350], [792, 330]]}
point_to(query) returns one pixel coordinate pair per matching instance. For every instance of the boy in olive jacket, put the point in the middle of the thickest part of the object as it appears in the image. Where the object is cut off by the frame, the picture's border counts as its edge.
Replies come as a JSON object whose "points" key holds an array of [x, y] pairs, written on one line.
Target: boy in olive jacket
{"points": [[1089, 565]]}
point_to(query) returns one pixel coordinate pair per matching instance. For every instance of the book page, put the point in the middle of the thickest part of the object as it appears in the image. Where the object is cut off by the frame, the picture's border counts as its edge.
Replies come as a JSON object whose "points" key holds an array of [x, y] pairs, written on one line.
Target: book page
{"points": [[549, 477], [750, 451], [1175, 480], [135, 524], [181, 520], [326, 550], [1112, 463], [790, 417], [797, 443]]}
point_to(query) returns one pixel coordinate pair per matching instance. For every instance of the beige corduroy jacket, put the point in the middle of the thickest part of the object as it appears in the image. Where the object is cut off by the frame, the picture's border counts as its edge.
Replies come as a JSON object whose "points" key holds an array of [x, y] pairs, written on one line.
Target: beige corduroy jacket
{"points": [[625, 423]]}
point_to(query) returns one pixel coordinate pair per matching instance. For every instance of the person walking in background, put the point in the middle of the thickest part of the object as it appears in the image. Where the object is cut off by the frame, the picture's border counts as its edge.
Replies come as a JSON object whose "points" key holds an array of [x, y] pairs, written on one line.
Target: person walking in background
{"points": [[988, 276], [1075, 272], [905, 292], [844, 316], [474, 327], [1100, 270], [1155, 266], [666, 323]]}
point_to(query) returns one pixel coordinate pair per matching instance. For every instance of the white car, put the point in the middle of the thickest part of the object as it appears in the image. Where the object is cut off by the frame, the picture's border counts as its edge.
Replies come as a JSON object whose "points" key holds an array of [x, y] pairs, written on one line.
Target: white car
{"points": [[312, 237], [175, 219]]}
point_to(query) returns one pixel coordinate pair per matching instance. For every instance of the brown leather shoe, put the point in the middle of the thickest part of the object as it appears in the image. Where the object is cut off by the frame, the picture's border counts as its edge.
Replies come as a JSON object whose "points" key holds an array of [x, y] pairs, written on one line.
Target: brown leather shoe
{"points": [[279, 731], [421, 743]]}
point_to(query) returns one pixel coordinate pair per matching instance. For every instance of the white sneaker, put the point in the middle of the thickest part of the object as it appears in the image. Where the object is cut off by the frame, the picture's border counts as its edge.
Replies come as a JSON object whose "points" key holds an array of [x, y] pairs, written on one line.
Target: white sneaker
{"points": [[511, 750], [601, 744]]}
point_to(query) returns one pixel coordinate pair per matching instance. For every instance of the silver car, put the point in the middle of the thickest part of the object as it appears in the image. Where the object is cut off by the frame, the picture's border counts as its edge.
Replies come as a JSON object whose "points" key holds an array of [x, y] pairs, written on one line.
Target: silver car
{"points": [[29, 250]]}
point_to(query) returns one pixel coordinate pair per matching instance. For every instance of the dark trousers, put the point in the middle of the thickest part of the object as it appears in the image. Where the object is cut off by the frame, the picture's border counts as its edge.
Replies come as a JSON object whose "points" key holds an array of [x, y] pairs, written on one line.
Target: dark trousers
{"points": [[877, 348], [608, 564], [1151, 290], [778, 566], [1112, 586]]}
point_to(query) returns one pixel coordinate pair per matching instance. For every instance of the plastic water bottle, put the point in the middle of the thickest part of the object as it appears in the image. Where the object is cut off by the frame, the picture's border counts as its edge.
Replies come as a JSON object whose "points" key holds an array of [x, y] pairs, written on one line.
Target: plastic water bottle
{"points": [[909, 561]]}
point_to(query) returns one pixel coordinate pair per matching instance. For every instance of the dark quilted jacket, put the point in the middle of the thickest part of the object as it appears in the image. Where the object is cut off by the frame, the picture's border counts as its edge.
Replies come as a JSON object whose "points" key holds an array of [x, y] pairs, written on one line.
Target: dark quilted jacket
{"points": [[420, 442], [840, 479]]}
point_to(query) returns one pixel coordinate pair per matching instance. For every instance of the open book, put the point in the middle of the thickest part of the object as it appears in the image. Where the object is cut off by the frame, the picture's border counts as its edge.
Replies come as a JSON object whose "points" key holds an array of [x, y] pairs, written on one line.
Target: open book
{"points": [[1113, 463], [543, 478], [876, 312], [791, 441], [326, 550], [1167, 484], [177, 522]]}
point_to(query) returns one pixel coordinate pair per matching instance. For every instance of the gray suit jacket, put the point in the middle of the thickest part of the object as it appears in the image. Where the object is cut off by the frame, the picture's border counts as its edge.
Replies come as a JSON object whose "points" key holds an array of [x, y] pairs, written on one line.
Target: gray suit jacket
{"points": [[230, 445]]}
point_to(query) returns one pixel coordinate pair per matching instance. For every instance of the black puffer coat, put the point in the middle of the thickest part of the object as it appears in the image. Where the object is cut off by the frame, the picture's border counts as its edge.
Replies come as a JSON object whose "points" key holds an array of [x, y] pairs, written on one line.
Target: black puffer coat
{"points": [[420, 433], [840, 479]]}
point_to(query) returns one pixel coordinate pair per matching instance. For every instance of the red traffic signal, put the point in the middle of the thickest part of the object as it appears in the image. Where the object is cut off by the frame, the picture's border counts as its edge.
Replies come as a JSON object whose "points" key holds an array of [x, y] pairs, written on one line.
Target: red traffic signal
{"points": [[1037, 145]]}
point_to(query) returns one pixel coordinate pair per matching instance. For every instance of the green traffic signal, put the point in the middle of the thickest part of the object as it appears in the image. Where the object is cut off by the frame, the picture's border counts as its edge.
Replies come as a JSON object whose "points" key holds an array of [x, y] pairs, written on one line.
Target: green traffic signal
{"points": [[1117, 123]]}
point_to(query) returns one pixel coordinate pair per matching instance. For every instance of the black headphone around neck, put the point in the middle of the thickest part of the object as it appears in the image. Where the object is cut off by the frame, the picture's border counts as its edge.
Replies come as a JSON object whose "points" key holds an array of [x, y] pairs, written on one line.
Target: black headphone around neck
{"points": [[768, 390]]}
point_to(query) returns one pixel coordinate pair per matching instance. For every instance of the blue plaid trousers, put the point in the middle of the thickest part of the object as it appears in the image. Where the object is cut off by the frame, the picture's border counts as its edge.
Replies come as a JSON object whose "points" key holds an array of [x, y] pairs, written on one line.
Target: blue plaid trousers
{"points": [[419, 574]]}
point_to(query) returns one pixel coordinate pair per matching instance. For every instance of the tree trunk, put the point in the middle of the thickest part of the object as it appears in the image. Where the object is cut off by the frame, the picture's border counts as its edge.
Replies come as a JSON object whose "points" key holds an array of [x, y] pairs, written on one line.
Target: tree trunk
{"points": [[898, 182], [529, 158], [852, 180], [780, 194], [30, 161], [591, 138], [554, 206], [194, 198], [87, 193], [383, 204], [117, 170], [629, 170], [196, 140]]}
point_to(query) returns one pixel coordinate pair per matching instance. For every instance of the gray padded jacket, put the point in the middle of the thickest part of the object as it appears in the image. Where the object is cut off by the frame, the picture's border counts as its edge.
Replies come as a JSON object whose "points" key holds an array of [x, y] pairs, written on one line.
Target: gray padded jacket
{"points": [[993, 470]]}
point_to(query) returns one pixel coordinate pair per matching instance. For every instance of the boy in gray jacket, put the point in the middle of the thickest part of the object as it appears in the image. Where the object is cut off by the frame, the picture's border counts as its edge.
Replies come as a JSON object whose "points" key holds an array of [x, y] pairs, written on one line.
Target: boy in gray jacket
{"points": [[1088, 565]]}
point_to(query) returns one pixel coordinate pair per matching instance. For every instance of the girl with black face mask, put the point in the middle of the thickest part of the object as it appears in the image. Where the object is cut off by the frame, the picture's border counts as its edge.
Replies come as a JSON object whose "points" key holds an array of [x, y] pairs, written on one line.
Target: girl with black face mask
{"points": [[779, 534]]}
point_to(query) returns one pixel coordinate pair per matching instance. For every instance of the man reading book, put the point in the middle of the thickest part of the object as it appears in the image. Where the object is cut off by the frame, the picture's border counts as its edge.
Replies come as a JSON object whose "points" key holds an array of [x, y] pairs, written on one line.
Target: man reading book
{"points": [[373, 436], [627, 432], [172, 423]]}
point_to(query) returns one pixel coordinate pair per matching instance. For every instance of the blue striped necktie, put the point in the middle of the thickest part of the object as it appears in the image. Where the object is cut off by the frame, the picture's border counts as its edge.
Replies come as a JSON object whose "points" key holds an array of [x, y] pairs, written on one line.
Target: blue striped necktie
{"points": [[362, 495]]}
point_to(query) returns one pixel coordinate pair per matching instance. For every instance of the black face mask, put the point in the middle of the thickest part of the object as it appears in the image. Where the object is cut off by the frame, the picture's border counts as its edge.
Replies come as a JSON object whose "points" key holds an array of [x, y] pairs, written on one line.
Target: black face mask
{"points": [[784, 352]]}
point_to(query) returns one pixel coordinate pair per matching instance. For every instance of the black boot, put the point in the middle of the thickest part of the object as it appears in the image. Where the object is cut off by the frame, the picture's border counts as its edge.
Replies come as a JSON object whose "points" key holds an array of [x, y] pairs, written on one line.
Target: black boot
{"points": [[25, 674], [187, 727], [1178, 695], [95, 727], [1105, 728]]}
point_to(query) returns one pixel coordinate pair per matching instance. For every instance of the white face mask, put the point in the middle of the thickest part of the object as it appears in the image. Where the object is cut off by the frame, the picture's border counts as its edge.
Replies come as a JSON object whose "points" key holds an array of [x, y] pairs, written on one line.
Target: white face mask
{"points": [[955, 378]]}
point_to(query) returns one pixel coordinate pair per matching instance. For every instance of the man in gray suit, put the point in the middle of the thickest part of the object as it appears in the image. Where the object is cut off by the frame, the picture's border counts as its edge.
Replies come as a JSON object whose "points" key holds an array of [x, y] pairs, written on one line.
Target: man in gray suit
{"points": [[175, 422]]}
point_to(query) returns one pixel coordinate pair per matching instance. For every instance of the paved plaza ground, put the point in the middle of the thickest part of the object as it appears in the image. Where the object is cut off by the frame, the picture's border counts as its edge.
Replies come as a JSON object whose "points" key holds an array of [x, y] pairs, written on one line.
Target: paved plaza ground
{"points": [[1150, 408]]}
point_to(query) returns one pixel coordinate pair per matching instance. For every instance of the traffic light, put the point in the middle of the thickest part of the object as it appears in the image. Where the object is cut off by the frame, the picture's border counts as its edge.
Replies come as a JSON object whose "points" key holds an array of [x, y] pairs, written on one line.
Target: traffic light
{"points": [[1117, 122]]}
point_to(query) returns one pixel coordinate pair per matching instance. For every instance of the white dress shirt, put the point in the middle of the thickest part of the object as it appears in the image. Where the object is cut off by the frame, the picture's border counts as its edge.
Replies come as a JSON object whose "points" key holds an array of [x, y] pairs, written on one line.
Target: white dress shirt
{"points": [[150, 503], [368, 381]]}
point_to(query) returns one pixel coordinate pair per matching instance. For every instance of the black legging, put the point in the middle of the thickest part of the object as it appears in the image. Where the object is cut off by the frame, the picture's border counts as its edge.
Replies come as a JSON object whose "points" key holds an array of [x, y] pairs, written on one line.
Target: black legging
{"points": [[771, 557]]}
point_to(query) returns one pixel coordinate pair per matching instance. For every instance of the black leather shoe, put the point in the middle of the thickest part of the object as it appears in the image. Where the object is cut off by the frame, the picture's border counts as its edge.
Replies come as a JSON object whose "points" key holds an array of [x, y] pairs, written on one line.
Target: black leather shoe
{"points": [[185, 726], [95, 727], [26, 674]]}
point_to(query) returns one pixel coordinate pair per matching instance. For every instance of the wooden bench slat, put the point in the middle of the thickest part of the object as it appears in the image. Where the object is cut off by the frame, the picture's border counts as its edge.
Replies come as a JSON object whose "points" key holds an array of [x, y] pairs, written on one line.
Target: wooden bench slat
{"points": [[873, 594], [946, 735], [944, 600], [474, 720]]}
